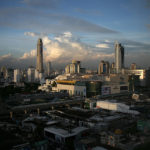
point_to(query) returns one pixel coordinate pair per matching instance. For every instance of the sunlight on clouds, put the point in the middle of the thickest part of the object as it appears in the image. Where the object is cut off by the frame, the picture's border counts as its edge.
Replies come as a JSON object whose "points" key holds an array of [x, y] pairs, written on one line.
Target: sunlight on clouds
{"points": [[64, 48], [31, 54], [5, 56]]}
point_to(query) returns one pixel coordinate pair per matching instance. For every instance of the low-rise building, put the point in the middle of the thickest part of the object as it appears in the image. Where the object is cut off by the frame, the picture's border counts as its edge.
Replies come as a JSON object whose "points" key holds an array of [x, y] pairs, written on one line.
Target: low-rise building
{"points": [[64, 138], [119, 107], [74, 87]]}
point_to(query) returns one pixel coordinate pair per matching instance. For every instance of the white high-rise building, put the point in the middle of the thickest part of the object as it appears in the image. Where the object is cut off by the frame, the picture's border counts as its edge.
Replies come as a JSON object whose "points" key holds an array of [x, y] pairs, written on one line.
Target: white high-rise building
{"points": [[119, 57], [31, 74], [17, 75]]}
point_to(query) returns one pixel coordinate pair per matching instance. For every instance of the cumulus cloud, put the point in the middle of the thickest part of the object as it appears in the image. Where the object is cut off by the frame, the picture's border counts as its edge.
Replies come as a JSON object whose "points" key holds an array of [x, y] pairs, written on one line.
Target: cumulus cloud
{"points": [[63, 48], [31, 54]]}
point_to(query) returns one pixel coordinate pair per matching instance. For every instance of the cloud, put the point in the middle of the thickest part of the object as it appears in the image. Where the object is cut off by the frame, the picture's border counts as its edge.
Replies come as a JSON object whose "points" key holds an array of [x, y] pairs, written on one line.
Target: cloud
{"points": [[35, 34], [102, 46], [63, 48], [135, 45], [107, 41], [47, 22], [5, 56], [67, 34], [31, 55]]}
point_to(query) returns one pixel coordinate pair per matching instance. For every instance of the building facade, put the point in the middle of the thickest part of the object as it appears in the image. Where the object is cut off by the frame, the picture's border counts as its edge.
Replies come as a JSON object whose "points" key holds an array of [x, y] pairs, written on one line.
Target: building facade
{"points": [[73, 88]]}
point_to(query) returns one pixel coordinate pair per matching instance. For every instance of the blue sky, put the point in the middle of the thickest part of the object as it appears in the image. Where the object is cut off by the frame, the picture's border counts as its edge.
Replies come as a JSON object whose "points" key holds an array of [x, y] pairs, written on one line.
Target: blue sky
{"points": [[93, 25]]}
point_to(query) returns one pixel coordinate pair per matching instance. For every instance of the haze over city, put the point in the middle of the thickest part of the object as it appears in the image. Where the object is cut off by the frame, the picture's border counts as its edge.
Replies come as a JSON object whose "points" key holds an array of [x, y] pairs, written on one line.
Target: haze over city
{"points": [[84, 30]]}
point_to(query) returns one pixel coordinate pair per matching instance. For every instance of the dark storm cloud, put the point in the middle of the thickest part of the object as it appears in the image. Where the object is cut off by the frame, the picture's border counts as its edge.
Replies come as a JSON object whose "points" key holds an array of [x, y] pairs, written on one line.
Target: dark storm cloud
{"points": [[27, 18]]}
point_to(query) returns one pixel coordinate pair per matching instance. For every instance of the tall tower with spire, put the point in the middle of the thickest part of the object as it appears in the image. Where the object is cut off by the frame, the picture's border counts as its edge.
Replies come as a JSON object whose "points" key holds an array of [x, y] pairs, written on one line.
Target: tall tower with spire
{"points": [[39, 65]]}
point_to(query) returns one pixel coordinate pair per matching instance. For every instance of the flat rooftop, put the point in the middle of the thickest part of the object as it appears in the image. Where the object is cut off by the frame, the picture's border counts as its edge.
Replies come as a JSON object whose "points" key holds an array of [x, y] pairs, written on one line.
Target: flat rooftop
{"points": [[65, 133]]}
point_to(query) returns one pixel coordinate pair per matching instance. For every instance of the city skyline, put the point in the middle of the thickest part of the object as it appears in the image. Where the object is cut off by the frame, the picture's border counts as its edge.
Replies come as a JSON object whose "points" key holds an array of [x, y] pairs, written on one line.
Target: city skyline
{"points": [[82, 32]]}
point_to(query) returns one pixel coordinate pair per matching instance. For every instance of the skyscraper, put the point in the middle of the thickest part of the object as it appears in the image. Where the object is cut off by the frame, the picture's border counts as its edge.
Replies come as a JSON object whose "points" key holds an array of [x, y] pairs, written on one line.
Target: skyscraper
{"points": [[119, 57], [39, 65]]}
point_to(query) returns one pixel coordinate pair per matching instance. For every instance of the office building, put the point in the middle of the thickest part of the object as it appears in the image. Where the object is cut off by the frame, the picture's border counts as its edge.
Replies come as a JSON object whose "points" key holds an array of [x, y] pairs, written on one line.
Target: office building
{"points": [[39, 66], [72, 87], [119, 57], [103, 67], [17, 75], [115, 83]]}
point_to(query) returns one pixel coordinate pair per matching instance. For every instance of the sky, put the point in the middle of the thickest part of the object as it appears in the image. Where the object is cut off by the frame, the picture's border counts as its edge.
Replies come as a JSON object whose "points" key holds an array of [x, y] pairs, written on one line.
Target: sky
{"points": [[84, 30]]}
